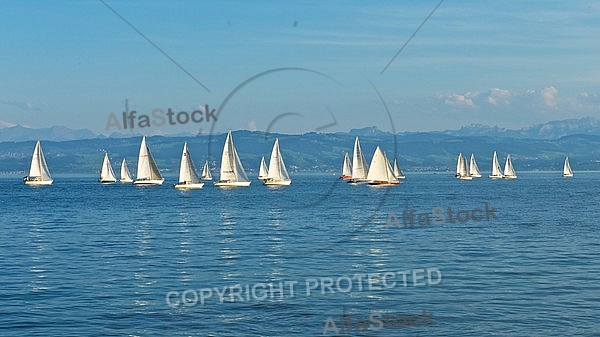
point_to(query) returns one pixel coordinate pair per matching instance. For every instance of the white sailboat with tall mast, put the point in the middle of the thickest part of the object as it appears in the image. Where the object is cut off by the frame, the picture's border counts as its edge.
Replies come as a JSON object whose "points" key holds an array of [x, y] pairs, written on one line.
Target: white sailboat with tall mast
{"points": [[509, 171], [359, 165], [206, 172], [567, 171], [263, 172], [188, 176], [147, 171], [278, 174], [397, 171], [462, 168], [346, 168], [107, 175], [473, 168], [232, 172], [380, 171], [496, 170], [458, 165], [125, 175], [38, 171]]}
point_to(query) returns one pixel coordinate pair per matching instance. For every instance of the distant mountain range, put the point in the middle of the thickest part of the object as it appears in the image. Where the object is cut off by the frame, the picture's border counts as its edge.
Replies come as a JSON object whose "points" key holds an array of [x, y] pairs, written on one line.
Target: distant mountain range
{"points": [[549, 130]]}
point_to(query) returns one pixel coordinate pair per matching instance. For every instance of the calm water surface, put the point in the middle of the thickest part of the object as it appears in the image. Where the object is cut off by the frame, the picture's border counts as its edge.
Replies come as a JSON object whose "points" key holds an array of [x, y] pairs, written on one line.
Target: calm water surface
{"points": [[81, 259]]}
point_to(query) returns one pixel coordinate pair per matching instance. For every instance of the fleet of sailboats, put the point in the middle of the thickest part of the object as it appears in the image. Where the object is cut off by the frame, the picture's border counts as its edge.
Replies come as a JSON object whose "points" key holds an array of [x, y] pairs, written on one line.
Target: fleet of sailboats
{"points": [[107, 175], [359, 165], [188, 176], [277, 174], [567, 172], [496, 171], [125, 175], [147, 171], [346, 168], [232, 172], [38, 170], [380, 171]]}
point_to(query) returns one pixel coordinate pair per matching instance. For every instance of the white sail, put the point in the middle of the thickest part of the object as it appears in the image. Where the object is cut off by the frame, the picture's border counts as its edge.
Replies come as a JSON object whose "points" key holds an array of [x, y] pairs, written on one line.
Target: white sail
{"points": [[359, 165], [346, 168], [567, 171], [232, 172], [473, 168], [147, 171], [263, 172], [188, 176], [458, 165], [38, 170], [278, 174], [380, 172], [496, 170], [125, 175], [509, 171], [463, 168], [107, 175], [206, 172], [397, 171]]}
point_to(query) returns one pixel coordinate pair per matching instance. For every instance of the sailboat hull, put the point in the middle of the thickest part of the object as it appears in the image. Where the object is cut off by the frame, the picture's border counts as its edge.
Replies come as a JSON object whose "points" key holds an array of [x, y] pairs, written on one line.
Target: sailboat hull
{"points": [[567, 175], [126, 181], [109, 181], [149, 182], [232, 183], [496, 177], [345, 177], [277, 182], [357, 181], [509, 177], [38, 182], [465, 178], [383, 183], [189, 186]]}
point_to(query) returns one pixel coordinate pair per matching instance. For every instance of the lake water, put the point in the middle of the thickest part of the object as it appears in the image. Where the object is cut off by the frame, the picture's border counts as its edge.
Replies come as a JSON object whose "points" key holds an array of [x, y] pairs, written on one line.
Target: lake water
{"points": [[82, 259]]}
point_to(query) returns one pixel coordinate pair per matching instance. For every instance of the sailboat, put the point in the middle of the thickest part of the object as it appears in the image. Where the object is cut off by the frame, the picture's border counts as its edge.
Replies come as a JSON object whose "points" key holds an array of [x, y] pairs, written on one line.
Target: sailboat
{"points": [[263, 172], [397, 171], [458, 165], [380, 172], [188, 176], [206, 172], [496, 170], [147, 171], [232, 172], [107, 175], [359, 166], [567, 172], [462, 168], [38, 171], [346, 168], [125, 175], [509, 171], [278, 174], [473, 168]]}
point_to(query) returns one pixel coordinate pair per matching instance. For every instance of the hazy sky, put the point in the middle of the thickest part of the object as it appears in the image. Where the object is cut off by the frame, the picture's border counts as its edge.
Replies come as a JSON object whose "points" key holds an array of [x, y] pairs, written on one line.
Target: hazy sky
{"points": [[506, 63]]}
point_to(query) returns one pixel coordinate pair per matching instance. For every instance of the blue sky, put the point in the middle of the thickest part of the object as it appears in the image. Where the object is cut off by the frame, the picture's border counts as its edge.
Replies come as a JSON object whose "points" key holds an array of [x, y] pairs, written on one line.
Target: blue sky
{"points": [[509, 63]]}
